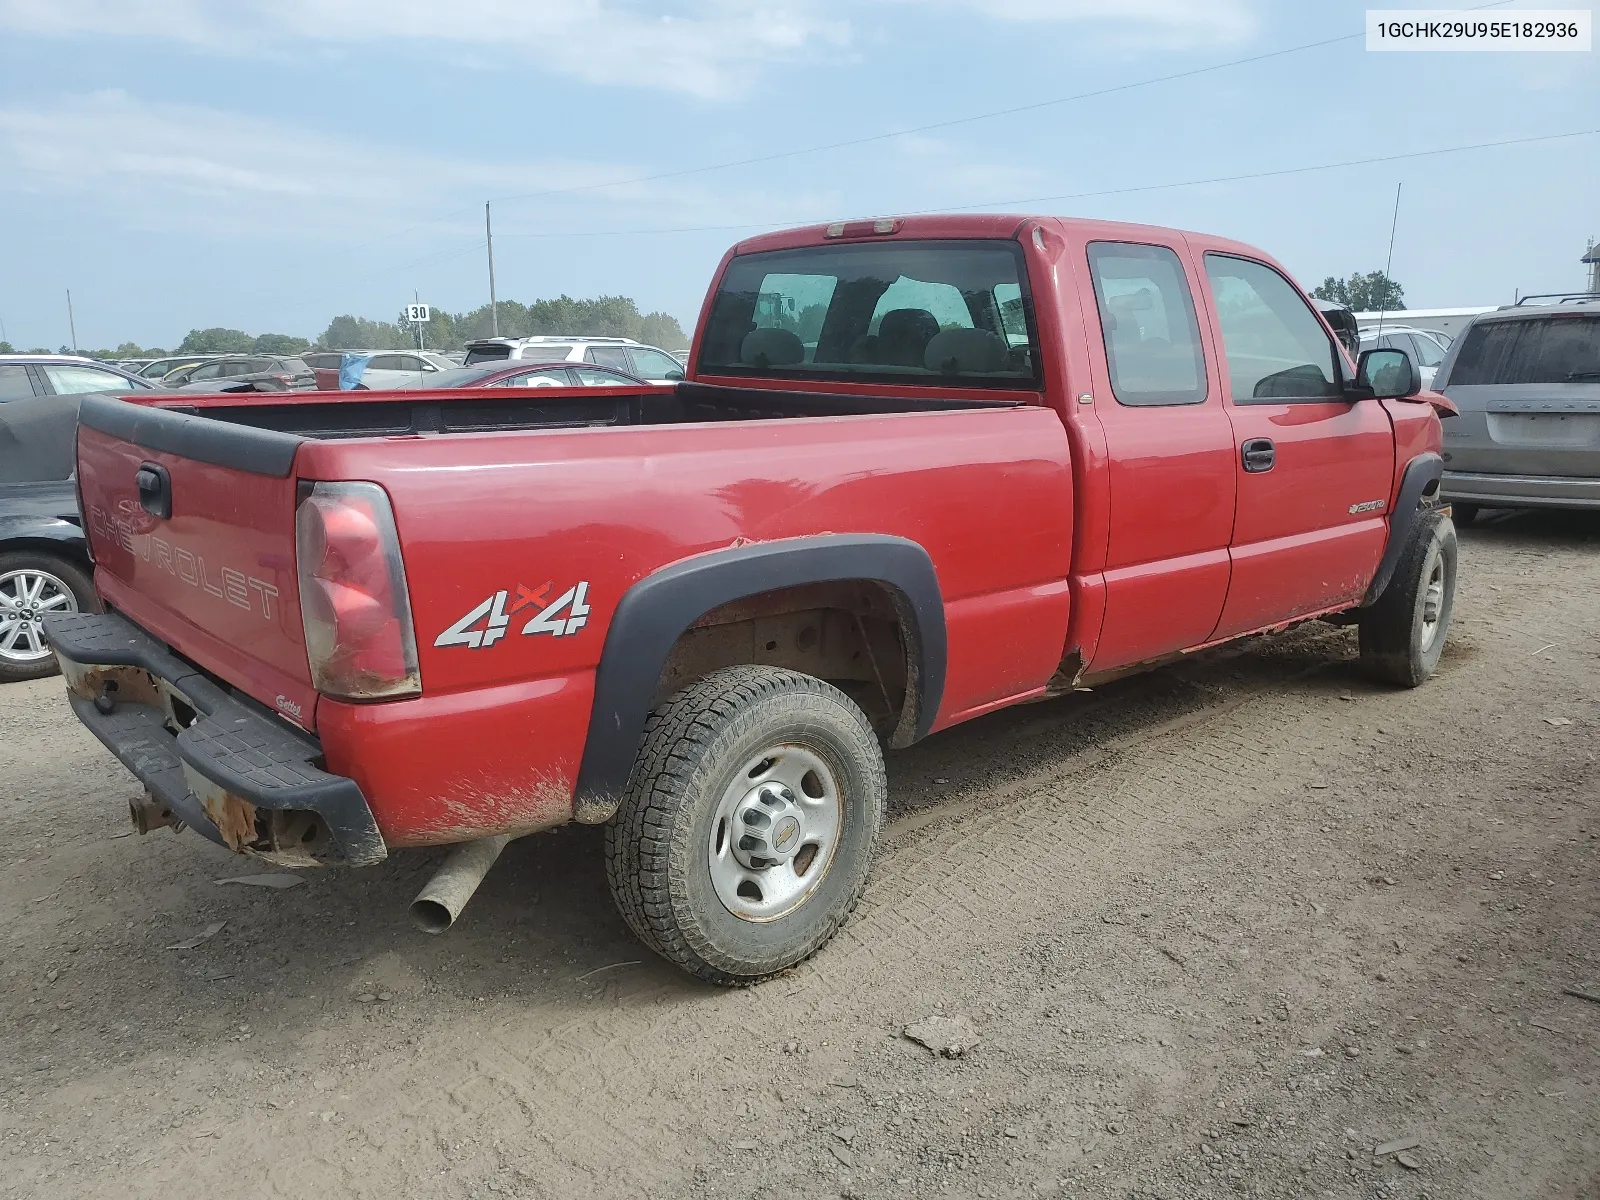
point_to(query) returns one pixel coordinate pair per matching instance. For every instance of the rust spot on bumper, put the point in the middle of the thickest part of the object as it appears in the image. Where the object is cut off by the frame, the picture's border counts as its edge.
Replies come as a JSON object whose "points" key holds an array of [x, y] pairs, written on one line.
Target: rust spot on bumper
{"points": [[129, 685], [234, 817]]}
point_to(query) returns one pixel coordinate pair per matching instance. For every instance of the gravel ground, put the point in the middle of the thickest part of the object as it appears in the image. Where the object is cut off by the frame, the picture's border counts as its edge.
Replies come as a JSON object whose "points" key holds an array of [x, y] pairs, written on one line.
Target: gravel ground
{"points": [[1218, 931]]}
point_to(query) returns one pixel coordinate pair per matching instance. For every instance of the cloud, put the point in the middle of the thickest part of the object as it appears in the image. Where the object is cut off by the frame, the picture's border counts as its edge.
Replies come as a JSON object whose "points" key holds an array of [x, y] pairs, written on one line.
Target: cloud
{"points": [[710, 49], [198, 171]]}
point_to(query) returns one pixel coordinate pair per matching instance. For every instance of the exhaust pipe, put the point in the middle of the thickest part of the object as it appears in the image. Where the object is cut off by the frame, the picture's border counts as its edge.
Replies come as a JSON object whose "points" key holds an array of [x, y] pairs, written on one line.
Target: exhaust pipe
{"points": [[439, 903]]}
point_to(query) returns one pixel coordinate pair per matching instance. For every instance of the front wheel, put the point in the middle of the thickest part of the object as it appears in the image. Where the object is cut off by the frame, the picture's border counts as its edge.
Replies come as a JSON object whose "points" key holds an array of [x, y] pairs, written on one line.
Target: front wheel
{"points": [[34, 585], [1402, 635], [749, 823]]}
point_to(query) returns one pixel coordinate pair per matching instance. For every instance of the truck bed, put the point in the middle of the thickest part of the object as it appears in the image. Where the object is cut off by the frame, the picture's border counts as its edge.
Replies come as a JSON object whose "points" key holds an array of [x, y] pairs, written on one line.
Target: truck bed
{"points": [[396, 414]]}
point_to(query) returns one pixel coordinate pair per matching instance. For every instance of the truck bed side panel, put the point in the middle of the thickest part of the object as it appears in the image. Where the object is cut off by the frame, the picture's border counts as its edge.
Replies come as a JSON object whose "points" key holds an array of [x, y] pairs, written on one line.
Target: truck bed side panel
{"points": [[586, 513]]}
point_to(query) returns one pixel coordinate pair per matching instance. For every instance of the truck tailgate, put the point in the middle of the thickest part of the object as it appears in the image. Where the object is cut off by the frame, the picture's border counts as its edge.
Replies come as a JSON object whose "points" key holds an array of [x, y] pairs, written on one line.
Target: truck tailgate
{"points": [[203, 555]]}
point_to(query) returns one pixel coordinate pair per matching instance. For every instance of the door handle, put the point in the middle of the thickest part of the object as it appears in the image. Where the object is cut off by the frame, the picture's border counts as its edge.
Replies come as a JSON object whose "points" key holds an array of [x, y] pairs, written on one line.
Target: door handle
{"points": [[1259, 454], [155, 490]]}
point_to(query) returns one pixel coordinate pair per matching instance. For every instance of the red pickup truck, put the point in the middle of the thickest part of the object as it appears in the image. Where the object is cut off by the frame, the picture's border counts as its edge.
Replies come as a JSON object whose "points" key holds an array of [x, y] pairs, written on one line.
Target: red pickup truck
{"points": [[919, 470]]}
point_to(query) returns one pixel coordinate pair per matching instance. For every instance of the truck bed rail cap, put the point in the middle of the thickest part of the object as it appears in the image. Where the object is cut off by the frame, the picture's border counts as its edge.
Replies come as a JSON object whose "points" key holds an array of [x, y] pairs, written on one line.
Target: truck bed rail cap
{"points": [[221, 443]]}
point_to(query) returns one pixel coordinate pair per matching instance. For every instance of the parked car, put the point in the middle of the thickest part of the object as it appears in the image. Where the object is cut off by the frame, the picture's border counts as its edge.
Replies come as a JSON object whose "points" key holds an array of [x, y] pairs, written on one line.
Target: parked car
{"points": [[386, 368], [524, 374], [820, 549], [622, 354], [245, 373], [1527, 382], [159, 368], [44, 561], [24, 375], [1425, 349]]}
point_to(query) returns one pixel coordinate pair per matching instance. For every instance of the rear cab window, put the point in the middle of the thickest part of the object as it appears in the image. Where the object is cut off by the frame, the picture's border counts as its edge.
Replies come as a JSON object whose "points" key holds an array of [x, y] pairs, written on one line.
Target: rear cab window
{"points": [[949, 313], [1553, 349]]}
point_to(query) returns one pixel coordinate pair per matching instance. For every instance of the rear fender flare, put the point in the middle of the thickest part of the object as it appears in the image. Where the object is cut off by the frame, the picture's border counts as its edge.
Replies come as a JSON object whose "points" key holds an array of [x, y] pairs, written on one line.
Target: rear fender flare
{"points": [[1422, 473], [659, 608]]}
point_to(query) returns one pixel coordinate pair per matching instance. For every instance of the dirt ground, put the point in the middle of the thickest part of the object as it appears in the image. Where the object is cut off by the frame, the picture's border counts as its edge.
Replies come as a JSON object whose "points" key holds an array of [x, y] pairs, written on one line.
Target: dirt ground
{"points": [[1218, 931]]}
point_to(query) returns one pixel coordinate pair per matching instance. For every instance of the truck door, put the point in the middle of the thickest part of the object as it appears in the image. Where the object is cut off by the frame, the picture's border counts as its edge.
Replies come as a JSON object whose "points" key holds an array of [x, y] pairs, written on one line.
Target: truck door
{"points": [[1169, 445], [1314, 468]]}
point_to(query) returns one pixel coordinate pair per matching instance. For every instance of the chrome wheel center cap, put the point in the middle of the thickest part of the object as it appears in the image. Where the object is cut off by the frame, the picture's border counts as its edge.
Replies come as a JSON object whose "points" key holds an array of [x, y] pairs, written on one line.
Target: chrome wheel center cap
{"points": [[769, 827]]}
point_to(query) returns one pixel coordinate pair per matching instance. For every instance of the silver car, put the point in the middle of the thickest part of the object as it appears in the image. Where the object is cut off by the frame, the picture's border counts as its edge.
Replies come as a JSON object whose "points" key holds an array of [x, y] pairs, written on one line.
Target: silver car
{"points": [[1527, 382]]}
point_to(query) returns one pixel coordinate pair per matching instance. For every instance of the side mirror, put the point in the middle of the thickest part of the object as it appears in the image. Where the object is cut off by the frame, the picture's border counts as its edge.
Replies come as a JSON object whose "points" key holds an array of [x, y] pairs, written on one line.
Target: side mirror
{"points": [[1388, 375], [673, 375]]}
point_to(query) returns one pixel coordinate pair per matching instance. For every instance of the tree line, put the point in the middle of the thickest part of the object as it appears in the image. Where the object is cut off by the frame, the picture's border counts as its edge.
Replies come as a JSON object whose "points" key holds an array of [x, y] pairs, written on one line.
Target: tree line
{"points": [[603, 316], [1372, 292]]}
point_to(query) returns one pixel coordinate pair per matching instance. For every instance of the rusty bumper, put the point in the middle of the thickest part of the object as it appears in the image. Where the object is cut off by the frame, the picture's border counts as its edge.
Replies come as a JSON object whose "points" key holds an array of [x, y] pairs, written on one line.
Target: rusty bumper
{"points": [[210, 760]]}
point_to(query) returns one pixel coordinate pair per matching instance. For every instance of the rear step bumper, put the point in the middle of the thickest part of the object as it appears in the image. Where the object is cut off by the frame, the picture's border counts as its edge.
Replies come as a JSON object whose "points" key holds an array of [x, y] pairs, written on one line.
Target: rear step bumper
{"points": [[234, 772]]}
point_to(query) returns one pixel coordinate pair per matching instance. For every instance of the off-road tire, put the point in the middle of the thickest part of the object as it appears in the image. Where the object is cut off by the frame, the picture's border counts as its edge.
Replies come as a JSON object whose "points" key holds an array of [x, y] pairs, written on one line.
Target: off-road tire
{"points": [[77, 582], [1394, 644], [657, 843]]}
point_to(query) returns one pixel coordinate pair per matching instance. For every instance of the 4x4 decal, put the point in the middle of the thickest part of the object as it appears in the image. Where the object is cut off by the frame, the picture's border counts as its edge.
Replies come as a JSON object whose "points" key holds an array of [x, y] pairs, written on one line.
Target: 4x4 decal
{"points": [[561, 617]]}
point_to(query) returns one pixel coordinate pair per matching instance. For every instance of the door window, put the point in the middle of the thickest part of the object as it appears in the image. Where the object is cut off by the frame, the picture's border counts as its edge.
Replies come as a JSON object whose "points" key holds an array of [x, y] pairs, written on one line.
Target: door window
{"points": [[609, 356], [1148, 322], [72, 380], [654, 364], [212, 370], [14, 384], [549, 377], [598, 377], [386, 362], [1427, 351], [1276, 348]]}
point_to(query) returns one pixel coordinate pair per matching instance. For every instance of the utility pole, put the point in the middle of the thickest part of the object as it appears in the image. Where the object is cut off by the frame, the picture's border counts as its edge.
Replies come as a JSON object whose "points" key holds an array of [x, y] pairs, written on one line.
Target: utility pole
{"points": [[72, 324], [488, 241], [417, 297]]}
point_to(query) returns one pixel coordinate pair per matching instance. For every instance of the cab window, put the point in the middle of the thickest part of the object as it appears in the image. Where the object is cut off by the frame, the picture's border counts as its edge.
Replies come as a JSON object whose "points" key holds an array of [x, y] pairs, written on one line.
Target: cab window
{"points": [[1148, 323], [1276, 348]]}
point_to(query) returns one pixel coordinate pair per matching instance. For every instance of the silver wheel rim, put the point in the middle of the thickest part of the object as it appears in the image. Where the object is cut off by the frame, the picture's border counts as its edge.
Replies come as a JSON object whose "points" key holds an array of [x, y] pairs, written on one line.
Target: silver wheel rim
{"points": [[26, 598], [1432, 603], [775, 833]]}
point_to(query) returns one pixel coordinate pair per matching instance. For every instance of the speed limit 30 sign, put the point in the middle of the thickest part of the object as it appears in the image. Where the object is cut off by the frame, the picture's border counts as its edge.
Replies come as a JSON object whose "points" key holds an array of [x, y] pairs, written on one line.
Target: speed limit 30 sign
{"points": [[417, 314]]}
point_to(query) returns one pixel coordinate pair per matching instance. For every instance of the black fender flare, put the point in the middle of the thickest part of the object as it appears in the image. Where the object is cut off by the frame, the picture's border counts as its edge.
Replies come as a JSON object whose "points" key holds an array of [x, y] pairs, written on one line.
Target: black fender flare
{"points": [[1421, 472], [659, 608]]}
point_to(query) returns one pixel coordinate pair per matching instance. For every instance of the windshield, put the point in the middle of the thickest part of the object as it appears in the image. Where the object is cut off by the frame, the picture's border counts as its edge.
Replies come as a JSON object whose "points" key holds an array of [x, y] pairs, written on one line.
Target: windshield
{"points": [[1554, 349], [946, 312]]}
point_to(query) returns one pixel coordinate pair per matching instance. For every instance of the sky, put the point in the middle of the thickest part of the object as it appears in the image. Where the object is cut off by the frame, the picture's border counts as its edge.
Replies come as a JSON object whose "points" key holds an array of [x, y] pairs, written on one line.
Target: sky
{"points": [[269, 164]]}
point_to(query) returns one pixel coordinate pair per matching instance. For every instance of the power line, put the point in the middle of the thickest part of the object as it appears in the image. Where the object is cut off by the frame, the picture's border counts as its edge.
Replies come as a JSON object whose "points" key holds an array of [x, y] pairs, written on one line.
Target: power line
{"points": [[967, 120], [910, 131], [1123, 191]]}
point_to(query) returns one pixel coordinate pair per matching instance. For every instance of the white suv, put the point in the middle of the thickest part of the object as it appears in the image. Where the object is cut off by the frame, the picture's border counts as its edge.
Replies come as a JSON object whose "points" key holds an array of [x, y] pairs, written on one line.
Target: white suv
{"points": [[624, 354]]}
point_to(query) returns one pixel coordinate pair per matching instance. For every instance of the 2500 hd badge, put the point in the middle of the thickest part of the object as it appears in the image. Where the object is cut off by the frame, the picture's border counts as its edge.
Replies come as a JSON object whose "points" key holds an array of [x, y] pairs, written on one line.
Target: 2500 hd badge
{"points": [[561, 617]]}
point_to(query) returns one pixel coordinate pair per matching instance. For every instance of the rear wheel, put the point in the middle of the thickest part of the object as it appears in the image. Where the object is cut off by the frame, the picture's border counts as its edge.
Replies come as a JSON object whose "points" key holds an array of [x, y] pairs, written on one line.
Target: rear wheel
{"points": [[1403, 634], [33, 586], [748, 826]]}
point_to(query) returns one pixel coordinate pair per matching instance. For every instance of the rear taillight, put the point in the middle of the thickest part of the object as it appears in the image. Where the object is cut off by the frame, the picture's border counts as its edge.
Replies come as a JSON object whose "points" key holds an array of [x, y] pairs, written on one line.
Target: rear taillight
{"points": [[353, 600]]}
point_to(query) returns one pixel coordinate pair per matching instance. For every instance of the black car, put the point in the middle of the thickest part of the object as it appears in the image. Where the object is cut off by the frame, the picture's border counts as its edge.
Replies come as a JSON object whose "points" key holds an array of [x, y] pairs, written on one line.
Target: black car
{"points": [[26, 375], [245, 373], [44, 561]]}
